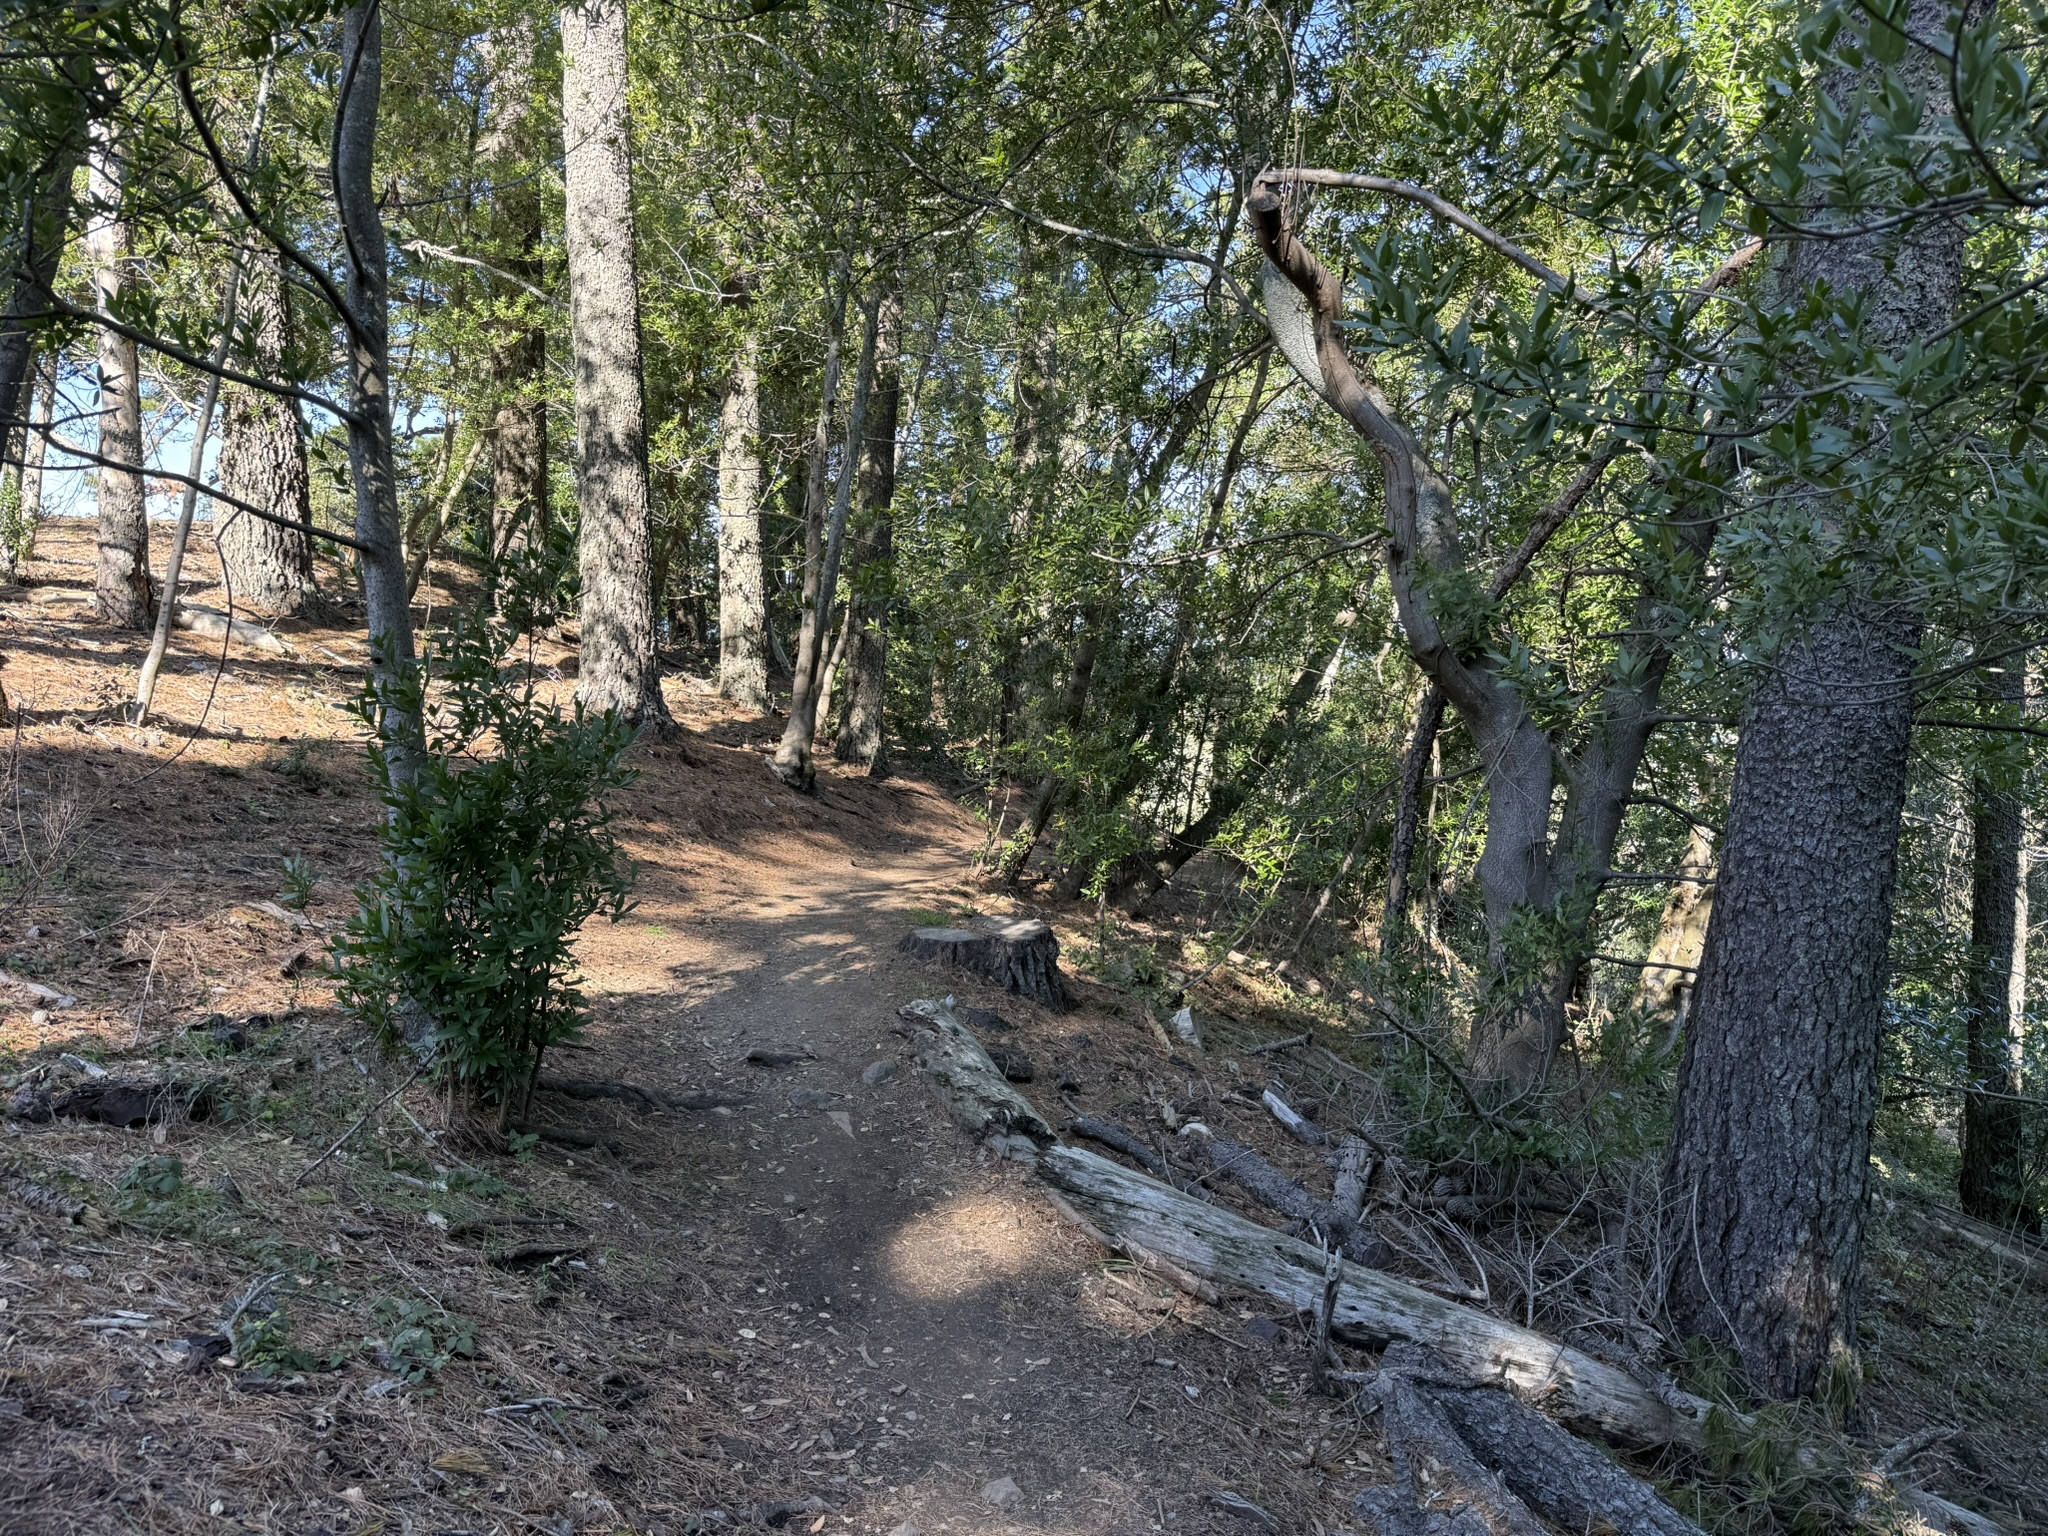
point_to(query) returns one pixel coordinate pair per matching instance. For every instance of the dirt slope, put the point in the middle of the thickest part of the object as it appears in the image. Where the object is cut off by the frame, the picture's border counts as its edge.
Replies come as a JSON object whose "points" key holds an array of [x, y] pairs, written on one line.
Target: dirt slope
{"points": [[822, 1291]]}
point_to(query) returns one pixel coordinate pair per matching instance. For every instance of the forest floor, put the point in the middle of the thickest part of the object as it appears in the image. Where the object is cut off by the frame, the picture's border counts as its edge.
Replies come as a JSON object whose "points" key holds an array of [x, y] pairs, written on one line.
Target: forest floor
{"points": [[819, 1290]]}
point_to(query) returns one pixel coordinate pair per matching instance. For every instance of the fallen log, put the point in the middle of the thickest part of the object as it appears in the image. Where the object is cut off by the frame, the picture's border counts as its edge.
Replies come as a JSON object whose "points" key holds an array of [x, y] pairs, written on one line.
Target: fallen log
{"points": [[1020, 955], [212, 624], [1118, 1139], [1354, 1173], [1372, 1309], [971, 1085], [1438, 1471], [1268, 1185], [1550, 1470]]}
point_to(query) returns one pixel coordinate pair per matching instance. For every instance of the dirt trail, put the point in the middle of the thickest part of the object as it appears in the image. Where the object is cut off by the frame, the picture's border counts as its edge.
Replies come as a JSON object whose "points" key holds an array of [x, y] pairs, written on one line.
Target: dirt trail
{"points": [[834, 1295], [963, 1332]]}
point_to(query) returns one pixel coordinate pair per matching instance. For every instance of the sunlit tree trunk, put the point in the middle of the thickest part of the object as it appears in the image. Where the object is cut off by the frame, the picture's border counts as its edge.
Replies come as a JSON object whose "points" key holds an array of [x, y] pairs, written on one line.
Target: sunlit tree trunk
{"points": [[372, 464], [863, 734], [742, 573], [121, 587], [263, 462], [620, 669], [512, 157]]}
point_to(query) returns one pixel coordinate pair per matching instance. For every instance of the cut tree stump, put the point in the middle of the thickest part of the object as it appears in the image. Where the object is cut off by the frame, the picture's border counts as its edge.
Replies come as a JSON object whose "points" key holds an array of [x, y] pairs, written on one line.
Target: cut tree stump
{"points": [[1020, 955], [1127, 1209]]}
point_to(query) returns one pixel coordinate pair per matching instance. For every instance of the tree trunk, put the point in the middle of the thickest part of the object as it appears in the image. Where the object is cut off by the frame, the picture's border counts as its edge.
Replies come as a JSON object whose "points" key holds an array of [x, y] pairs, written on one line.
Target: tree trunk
{"points": [[1429, 720], [121, 588], [742, 573], [862, 734], [1993, 1183], [1769, 1162], [40, 223], [269, 568], [1141, 877], [1768, 1171], [1673, 967], [792, 763], [620, 670], [513, 157], [372, 464], [38, 399]]}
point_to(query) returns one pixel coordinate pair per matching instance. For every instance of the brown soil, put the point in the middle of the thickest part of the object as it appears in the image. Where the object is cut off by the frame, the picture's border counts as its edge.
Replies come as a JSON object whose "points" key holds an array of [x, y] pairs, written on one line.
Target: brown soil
{"points": [[766, 1305], [833, 1295]]}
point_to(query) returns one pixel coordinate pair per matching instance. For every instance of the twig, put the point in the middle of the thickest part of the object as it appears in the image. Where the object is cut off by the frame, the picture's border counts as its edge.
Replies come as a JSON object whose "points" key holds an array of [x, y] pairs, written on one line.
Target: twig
{"points": [[143, 1007], [363, 1120], [1277, 1045]]}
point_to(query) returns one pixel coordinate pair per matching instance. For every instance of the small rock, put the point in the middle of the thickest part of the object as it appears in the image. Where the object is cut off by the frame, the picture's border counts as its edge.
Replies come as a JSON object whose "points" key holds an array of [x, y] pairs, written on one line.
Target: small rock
{"points": [[78, 1271], [32, 1103], [1003, 1493], [80, 1064], [1185, 1027], [1013, 1064], [906, 1529], [39, 1017], [879, 1072], [1264, 1329], [813, 1098], [984, 1018], [764, 1056]]}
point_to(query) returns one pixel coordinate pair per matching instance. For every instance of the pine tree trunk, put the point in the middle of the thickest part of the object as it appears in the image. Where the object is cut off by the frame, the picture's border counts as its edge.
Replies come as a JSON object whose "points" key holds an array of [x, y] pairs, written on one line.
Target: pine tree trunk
{"points": [[372, 463], [742, 572], [43, 221], [1993, 1182], [121, 588], [1768, 1171], [269, 568], [863, 734], [510, 149], [620, 669], [1672, 969], [24, 493]]}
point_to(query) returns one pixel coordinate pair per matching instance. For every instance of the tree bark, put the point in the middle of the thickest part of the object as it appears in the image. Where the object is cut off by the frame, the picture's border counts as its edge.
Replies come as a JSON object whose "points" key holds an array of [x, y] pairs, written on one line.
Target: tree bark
{"points": [[823, 548], [742, 573], [863, 732], [269, 568], [37, 229], [512, 154], [38, 398], [372, 464], [1429, 719], [1669, 974], [1768, 1171], [1992, 1186], [620, 671], [121, 586]]}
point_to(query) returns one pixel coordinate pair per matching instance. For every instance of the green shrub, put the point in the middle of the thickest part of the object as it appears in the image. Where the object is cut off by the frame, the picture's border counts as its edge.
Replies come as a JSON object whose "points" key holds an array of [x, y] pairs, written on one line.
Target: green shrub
{"points": [[415, 1339], [494, 857]]}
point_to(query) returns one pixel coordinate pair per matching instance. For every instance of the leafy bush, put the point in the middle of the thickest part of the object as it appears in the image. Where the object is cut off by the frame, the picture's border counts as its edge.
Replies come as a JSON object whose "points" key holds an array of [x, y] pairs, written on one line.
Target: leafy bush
{"points": [[494, 857]]}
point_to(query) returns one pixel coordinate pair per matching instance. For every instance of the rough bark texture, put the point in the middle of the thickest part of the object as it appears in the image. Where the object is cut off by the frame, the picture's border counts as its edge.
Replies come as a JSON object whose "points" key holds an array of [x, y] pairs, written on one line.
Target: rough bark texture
{"points": [[1317, 1219], [1992, 1184], [121, 587], [1770, 1152], [263, 461], [1768, 1170], [863, 736], [972, 1086], [18, 537], [742, 575], [619, 667], [1020, 956], [371, 462], [513, 155], [34, 243]]}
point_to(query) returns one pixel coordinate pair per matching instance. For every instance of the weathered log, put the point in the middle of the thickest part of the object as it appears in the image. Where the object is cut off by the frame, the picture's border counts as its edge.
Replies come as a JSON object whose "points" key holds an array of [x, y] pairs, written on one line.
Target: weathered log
{"points": [[971, 1085], [1373, 1309], [1020, 955], [1438, 1471], [1550, 1470], [130, 1103], [1267, 1184], [1298, 1125], [1121, 1140], [1354, 1173]]}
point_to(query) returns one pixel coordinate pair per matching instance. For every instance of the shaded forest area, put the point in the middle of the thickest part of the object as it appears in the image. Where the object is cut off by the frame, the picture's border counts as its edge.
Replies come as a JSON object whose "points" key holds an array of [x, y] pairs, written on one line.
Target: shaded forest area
{"points": [[673, 665]]}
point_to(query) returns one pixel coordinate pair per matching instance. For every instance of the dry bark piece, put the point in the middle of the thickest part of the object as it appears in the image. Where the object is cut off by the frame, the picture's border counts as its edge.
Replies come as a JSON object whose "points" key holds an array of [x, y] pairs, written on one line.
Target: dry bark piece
{"points": [[1020, 955], [1373, 1309], [970, 1084]]}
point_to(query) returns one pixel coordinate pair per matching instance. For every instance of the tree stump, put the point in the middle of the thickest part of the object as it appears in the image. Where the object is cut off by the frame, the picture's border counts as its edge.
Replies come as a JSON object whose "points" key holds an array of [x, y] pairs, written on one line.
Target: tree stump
{"points": [[1020, 955]]}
